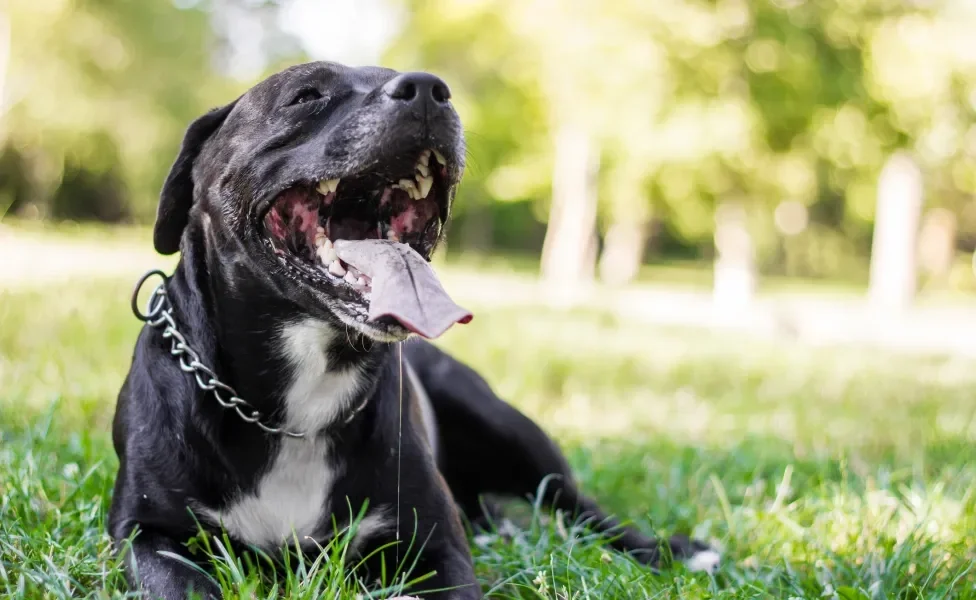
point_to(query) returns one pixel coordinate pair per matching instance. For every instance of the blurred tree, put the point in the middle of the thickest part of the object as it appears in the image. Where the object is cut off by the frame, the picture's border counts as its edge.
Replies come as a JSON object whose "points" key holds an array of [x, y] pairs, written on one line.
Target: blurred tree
{"points": [[780, 107], [107, 86], [689, 103], [493, 88], [97, 95]]}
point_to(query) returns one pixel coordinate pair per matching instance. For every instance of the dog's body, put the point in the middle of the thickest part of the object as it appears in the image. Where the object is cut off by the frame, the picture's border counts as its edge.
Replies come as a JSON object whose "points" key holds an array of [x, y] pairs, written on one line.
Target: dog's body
{"points": [[418, 440]]}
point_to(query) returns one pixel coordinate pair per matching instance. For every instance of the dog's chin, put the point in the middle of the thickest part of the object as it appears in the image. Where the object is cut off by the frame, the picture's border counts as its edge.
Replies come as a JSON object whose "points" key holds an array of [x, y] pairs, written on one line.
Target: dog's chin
{"points": [[353, 317], [378, 332]]}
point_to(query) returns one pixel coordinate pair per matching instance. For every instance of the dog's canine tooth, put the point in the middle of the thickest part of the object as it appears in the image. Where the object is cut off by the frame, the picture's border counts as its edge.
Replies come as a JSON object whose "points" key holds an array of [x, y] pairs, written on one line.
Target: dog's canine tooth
{"points": [[423, 185], [424, 158], [326, 254], [424, 170], [336, 268], [361, 282], [411, 187], [327, 186], [440, 157], [349, 278], [392, 235]]}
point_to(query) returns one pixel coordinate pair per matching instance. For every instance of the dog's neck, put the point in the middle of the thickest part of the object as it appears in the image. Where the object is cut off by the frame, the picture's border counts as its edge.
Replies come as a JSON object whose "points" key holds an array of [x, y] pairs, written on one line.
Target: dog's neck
{"points": [[308, 373]]}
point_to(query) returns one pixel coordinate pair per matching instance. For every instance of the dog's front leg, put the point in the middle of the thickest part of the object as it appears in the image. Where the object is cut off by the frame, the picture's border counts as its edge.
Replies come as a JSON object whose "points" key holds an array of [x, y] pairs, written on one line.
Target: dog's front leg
{"points": [[151, 564], [452, 579], [434, 547]]}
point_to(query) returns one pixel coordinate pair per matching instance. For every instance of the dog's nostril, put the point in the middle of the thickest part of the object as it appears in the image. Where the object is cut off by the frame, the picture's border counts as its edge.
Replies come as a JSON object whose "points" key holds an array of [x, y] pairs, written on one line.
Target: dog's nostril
{"points": [[405, 91], [412, 87], [440, 92]]}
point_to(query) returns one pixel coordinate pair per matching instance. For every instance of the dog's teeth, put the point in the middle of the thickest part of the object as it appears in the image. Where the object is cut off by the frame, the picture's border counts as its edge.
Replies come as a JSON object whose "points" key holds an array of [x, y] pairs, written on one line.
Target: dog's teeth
{"points": [[327, 253], [349, 278], [361, 282], [439, 157], [424, 170], [411, 187], [335, 267], [392, 235], [321, 239], [424, 158], [327, 186], [423, 185]]}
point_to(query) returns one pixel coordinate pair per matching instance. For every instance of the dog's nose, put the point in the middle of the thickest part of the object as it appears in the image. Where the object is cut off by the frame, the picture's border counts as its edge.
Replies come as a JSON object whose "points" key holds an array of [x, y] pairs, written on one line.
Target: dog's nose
{"points": [[417, 87]]}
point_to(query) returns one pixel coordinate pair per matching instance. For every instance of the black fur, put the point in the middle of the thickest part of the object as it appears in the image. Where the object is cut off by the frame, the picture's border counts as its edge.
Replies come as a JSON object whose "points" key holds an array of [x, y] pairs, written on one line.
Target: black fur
{"points": [[180, 451]]}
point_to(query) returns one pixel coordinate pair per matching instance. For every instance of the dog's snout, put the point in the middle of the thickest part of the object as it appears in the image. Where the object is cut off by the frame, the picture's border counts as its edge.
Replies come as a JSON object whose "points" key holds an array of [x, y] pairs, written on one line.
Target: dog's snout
{"points": [[417, 88]]}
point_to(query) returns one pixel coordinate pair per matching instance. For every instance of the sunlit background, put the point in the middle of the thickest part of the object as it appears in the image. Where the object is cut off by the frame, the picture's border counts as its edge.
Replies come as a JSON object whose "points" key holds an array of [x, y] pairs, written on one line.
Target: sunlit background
{"points": [[724, 249], [703, 146]]}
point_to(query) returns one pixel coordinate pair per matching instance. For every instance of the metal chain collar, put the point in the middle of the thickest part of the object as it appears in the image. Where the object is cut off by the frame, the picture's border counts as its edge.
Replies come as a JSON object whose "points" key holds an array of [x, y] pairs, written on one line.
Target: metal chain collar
{"points": [[159, 315]]}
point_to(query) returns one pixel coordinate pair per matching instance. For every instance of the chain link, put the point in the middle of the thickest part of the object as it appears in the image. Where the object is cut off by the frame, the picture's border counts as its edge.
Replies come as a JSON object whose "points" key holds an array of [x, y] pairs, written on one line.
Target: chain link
{"points": [[159, 315]]}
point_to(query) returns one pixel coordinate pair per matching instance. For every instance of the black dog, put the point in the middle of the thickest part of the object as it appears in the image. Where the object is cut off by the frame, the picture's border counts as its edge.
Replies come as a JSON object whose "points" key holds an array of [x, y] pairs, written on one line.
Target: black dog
{"points": [[258, 194]]}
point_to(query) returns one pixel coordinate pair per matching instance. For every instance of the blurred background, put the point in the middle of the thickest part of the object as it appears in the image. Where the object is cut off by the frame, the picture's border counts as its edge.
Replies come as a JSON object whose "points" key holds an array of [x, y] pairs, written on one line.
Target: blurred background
{"points": [[721, 249], [783, 165]]}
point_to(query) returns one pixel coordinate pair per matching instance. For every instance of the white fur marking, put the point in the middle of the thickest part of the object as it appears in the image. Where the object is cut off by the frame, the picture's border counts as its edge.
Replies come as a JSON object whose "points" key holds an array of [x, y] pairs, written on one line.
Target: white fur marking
{"points": [[316, 396], [289, 500], [706, 560], [369, 526], [292, 497]]}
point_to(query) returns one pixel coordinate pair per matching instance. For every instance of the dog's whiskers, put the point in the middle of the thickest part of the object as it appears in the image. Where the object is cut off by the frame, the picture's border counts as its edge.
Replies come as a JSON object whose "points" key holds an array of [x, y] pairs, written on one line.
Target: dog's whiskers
{"points": [[349, 339]]}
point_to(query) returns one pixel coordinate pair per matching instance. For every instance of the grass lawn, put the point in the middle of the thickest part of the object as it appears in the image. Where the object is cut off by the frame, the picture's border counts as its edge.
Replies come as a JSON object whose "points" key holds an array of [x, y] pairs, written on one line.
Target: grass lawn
{"points": [[821, 472]]}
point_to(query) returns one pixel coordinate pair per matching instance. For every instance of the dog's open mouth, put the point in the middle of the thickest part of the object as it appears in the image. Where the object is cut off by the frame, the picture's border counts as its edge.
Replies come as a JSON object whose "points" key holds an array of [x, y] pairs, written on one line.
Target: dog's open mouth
{"points": [[370, 236], [305, 221]]}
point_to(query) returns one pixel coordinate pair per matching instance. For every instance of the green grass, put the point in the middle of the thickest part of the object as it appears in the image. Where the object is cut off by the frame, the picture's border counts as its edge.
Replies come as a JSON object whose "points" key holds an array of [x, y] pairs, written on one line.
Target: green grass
{"points": [[829, 473]]}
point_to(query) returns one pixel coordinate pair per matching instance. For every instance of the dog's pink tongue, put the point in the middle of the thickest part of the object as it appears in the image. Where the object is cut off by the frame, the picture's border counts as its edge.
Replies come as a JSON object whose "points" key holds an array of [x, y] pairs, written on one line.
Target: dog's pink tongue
{"points": [[404, 286]]}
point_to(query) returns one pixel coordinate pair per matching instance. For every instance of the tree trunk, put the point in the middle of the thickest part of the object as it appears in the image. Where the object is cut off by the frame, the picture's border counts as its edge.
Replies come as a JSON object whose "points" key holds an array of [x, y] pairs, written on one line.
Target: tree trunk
{"points": [[893, 250], [623, 251], [626, 239], [735, 269], [937, 245], [568, 252]]}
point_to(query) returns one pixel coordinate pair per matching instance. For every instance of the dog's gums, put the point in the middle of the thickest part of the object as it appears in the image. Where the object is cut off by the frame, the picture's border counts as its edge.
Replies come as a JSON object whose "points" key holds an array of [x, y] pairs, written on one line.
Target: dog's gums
{"points": [[406, 204]]}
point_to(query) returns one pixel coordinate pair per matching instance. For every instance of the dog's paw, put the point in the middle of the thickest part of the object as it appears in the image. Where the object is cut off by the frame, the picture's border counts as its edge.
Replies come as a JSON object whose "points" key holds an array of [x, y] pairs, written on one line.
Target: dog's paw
{"points": [[505, 530], [706, 560], [696, 555]]}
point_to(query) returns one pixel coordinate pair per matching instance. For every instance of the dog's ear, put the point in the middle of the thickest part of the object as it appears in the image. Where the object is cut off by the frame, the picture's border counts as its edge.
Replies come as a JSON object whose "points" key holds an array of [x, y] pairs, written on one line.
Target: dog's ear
{"points": [[176, 197]]}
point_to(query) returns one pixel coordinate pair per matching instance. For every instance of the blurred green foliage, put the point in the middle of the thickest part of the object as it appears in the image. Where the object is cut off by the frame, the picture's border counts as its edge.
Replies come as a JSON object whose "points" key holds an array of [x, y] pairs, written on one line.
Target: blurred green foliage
{"points": [[690, 103], [694, 102], [99, 92]]}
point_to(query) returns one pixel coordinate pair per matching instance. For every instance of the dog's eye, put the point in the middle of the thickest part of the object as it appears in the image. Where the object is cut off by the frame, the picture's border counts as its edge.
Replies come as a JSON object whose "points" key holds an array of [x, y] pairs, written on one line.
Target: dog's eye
{"points": [[306, 95]]}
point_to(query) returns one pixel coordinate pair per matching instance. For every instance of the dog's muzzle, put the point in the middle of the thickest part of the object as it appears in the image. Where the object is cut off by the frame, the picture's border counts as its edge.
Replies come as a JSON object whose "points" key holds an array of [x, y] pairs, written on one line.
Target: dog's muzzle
{"points": [[369, 238]]}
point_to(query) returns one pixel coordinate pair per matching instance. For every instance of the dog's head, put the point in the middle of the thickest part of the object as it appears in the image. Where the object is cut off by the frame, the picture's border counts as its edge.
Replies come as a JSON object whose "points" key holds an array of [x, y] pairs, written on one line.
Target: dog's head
{"points": [[314, 154]]}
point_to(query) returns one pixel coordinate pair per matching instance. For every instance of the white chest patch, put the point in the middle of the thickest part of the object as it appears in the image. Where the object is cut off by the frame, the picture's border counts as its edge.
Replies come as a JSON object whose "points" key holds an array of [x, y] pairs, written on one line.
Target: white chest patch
{"points": [[292, 496], [290, 500]]}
